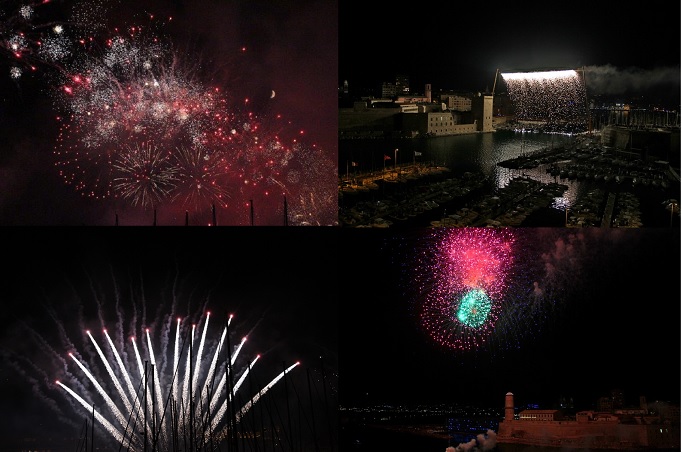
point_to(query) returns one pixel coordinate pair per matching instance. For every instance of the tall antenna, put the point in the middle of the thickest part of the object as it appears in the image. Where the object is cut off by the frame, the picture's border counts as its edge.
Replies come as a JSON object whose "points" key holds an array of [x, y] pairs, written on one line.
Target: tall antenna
{"points": [[326, 403], [229, 390], [145, 405], [312, 409], [191, 402], [153, 412], [286, 392], [92, 429]]}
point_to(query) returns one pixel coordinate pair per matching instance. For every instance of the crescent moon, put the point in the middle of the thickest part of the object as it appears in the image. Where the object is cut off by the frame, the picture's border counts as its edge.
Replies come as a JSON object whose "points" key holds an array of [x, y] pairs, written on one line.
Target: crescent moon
{"points": [[272, 94]]}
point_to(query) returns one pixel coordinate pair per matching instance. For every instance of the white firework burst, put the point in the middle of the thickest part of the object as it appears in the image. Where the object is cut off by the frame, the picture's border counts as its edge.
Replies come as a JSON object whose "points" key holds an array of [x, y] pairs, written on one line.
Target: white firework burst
{"points": [[152, 402]]}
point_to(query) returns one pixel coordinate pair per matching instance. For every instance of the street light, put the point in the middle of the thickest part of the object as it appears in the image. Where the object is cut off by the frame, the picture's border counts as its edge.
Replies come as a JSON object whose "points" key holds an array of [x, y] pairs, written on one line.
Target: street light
{"points": [[672, 205]]}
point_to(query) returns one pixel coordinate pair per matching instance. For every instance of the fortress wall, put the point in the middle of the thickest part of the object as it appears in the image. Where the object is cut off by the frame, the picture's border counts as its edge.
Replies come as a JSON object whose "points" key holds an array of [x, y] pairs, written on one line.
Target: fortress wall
{"points": [[565, 433]]}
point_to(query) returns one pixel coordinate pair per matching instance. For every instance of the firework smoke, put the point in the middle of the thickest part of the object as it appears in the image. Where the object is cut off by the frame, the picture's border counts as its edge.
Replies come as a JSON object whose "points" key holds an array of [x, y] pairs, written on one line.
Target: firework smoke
{"points": [[609, 79]]}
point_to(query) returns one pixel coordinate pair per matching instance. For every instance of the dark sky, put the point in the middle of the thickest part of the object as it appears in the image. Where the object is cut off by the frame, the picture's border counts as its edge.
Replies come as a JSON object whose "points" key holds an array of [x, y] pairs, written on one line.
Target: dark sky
{"points": [[280, 284], [613, 322], [291, 49], [460, 46]]}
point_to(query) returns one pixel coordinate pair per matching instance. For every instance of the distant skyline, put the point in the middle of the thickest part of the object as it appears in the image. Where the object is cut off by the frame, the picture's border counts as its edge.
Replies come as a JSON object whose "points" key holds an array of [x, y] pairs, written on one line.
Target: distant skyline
{"points": [[608, 318], [457, 48]]}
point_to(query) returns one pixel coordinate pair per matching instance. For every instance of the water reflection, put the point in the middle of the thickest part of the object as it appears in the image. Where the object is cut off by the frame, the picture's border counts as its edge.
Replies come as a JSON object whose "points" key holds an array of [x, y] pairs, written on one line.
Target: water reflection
{"points": [[586, 185], [476, 153]]}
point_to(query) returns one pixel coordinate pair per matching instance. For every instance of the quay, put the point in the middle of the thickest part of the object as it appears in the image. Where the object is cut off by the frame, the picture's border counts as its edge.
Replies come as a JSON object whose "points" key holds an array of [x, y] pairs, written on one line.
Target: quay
{"points": [[618, 189], [361, 182]]}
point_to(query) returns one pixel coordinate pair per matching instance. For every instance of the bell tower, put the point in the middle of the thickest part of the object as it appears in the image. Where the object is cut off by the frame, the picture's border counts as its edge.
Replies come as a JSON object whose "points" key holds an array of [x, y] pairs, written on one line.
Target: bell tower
{"points": [[509, 407]]}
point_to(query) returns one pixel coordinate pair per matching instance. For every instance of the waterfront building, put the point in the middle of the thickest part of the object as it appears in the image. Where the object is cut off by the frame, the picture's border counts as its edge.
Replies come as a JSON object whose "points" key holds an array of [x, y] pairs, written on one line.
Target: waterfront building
{"points": [[414, 117], [641, 428], [456, 102]]}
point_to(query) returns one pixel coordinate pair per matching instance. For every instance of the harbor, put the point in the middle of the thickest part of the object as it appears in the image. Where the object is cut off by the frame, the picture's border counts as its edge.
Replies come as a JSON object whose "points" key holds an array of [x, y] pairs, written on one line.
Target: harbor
{"points": [[577, 183]]}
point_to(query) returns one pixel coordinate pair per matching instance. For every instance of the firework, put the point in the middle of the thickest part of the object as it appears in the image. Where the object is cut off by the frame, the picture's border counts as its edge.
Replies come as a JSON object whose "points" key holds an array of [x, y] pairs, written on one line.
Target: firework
{"points": [[475, 289], [145, 124], [191, 399], [556, 98], [464, 294], [20, 34], [207, 147], [166, 111], [143, 380], [309, 180], [146, 175], [35, 34], [202, 177], [133, 91]]}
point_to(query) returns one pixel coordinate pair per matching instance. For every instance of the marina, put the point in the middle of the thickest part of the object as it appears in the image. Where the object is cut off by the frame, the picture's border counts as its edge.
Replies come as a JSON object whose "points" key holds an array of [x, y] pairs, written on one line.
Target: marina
{"points": [[578, 182]]}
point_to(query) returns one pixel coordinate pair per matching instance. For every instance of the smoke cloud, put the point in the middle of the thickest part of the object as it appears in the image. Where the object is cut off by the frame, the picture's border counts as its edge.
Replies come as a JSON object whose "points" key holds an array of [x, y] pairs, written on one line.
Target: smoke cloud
{"points": [[610, 80], [482, 442]]}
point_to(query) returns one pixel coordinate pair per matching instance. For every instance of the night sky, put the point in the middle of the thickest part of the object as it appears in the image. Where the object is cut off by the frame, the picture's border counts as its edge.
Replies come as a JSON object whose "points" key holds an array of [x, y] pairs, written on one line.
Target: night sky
{"points": [[458, 46], [612, 322], [280, 285], [248, 49]]}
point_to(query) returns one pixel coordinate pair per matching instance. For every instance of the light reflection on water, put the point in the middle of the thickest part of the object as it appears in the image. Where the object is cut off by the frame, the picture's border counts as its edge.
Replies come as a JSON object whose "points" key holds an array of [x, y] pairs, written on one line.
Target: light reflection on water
{"points": [[465, 153]]}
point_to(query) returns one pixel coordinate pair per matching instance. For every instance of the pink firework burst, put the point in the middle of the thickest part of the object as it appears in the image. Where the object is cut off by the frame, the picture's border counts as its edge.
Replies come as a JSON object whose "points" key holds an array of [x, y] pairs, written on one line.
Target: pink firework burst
{"points": [[133, 90], [462, 281], [131, 93]]}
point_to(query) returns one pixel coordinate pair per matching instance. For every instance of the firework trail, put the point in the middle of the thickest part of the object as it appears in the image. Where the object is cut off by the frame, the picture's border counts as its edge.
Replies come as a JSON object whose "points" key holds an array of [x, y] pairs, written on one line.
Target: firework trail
{"points": [[20, 364], [132, 386], [150, 400]]}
